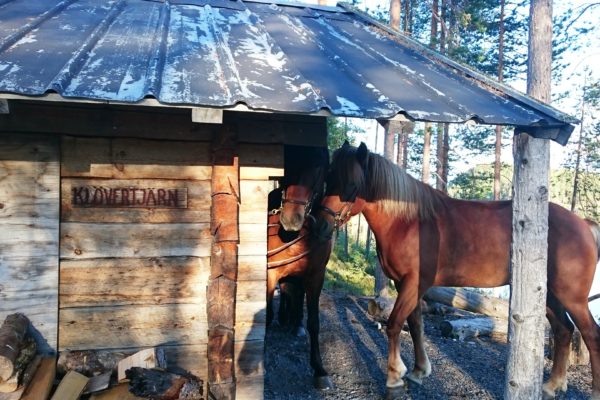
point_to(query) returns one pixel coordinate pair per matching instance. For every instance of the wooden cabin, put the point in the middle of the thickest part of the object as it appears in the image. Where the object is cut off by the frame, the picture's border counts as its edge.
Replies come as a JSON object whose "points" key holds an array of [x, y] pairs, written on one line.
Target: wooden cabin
{"points": [[125, 228], [139, 140]]}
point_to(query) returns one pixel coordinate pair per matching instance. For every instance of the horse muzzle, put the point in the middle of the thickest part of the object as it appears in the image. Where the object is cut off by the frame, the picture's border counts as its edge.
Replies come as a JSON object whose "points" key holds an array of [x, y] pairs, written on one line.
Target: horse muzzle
{"points": [[293, 222]]}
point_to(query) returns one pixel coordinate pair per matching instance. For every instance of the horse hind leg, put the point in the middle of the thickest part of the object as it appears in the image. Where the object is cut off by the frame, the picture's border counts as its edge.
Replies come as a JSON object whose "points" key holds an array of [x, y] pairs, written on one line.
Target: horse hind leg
{"points": [[590, 332], [562, 330], [422, 368]]}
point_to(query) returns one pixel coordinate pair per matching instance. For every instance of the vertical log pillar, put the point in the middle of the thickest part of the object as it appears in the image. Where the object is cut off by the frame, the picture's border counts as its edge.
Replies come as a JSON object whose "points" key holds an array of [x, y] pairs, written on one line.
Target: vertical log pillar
{"points": [[221, 293], [525, 365]]}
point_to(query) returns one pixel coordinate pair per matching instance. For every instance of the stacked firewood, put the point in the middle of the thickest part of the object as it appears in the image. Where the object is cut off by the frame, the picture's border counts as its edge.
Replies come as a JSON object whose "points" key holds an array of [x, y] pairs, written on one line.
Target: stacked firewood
{"points": [[115, 376], [26, 375]]}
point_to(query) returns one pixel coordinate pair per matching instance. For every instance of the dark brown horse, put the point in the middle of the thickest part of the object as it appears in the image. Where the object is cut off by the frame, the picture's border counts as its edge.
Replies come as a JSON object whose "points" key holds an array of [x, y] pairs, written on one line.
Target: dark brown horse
{"points": [[297, 257], [425, 238]]}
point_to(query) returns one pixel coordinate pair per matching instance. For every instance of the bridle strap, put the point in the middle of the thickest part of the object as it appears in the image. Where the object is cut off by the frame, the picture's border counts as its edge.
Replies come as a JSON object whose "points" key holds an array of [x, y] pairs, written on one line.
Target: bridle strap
{"points": [[281, 263], [285, 246]]}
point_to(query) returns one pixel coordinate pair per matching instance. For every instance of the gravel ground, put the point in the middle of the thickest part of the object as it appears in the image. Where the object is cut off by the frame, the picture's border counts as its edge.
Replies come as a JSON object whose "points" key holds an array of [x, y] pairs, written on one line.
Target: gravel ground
{"points": [[355, 354]]}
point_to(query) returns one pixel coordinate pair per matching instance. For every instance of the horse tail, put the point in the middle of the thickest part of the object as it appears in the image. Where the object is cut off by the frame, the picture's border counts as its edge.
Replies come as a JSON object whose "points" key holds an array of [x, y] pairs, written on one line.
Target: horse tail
{"points": [[595, 228], [595, 232]]}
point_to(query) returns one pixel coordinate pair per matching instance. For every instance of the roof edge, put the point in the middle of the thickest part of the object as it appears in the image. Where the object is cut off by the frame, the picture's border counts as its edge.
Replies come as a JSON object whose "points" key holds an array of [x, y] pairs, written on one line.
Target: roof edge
{"points": [[468, 71]]}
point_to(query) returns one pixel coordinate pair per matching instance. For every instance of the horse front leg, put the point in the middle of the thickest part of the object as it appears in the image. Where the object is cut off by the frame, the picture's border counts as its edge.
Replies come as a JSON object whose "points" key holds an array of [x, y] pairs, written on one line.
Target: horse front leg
{"points": [[405, 304], [422, 367], [313, 291], [271, 283]]}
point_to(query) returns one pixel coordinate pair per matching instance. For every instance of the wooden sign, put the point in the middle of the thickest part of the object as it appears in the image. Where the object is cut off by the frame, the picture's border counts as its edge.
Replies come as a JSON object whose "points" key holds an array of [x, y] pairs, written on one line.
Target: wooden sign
{"points": [[128, 197]]}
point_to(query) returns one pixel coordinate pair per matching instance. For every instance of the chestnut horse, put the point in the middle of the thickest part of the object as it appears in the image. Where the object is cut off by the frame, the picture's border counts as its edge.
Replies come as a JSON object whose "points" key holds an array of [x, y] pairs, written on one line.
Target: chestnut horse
{"points": [[425, 238], [296, 256]]}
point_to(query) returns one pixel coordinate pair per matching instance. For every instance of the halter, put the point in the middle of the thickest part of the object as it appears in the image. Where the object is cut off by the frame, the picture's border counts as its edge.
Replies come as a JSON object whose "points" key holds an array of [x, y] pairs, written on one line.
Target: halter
{"points": [[343, 215], [306, 203]]}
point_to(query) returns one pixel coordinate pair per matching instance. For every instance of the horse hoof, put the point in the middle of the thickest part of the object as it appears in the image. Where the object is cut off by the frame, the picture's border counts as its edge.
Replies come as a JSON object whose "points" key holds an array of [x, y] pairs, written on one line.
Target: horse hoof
{"points": [[323, 382], [300, 332], [395, 393], [414, 379]]}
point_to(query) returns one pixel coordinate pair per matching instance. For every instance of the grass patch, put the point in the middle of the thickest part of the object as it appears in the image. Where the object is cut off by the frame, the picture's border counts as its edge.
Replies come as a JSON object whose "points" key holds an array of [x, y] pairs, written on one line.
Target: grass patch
{"points": [[347, 277]]}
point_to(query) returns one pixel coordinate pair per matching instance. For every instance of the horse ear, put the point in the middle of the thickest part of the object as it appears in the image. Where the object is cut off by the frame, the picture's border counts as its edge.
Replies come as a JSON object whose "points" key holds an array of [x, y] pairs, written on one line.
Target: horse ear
{"points": [[346, 144], [362, 154]]}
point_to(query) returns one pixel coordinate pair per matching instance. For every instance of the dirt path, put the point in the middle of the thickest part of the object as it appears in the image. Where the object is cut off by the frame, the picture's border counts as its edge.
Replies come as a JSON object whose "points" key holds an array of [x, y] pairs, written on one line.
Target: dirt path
{"points": [[355, 354]]}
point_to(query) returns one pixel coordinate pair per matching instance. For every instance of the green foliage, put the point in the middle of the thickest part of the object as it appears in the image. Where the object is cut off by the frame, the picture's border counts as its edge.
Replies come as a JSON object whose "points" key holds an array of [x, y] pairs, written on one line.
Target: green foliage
{"points": [[340, 130], [347, 277], [478, 182]]}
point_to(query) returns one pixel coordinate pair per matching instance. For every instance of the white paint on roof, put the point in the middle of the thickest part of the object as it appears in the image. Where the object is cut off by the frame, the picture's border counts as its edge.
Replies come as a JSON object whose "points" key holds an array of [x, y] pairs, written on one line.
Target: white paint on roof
{"points": [[347, 107]]}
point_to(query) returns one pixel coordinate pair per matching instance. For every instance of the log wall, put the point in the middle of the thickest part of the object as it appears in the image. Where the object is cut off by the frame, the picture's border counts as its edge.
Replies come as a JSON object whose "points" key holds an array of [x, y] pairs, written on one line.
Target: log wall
{"points": [[134, 275], [135, 268]]}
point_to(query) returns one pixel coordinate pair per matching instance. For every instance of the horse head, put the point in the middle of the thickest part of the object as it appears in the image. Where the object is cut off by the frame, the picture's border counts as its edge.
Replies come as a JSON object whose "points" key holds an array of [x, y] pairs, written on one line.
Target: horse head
{"points": [[305, 169], [344, 196]]}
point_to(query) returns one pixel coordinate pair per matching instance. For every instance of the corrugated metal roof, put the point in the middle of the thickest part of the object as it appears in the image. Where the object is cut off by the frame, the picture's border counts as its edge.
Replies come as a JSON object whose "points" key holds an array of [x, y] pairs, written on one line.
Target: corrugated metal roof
{"points": [[281, 57]]}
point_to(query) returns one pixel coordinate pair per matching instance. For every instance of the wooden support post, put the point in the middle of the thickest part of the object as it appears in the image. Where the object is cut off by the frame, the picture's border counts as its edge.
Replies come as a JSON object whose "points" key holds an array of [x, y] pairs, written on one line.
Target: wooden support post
{"points": [[529, 257], [221, 291]]}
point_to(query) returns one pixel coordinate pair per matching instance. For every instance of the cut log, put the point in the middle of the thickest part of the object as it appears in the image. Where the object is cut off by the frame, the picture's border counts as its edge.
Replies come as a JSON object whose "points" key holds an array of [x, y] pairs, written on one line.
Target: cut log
{"points": [[147, 358], [162, 385], [71, 387], [89, 362], [462, 329], [41, 384], [21, 384], [21, 366], [469, 301], [380, 308], [12, 337]]}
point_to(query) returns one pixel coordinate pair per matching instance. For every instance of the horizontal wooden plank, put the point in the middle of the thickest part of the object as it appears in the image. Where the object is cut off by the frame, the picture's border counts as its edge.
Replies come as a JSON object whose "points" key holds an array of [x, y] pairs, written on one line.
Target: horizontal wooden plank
{"points": [[246, 331], [251, 311], [253, 233], [260, 173], [135, 158], [197, 205], [121, 281], [104, 120], [263, 155], [250, 387], [252, 268], [249, 358], [80, 241], [132, 326], [247, 248]]}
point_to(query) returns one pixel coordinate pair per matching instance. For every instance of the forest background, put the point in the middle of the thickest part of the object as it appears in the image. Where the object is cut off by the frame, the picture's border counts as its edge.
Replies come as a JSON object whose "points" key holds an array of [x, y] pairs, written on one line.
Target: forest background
{"points": [[473, 161]]}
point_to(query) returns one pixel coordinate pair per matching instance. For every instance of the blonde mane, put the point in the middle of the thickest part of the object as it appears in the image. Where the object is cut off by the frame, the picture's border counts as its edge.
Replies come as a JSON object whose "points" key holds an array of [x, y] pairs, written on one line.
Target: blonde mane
{"points": [[398, 194]]}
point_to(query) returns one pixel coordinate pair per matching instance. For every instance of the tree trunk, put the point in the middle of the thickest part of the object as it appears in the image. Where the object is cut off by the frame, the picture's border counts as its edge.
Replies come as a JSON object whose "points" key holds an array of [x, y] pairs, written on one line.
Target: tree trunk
{"points": [[468, 300], [395, 7], [498, 149], [498, 163], [399, 147], [439, 159], [433, 40], [408, 129], [358, 231], [468, 328], [426, 153], [368, 245], [525, 363], [579, 145], [445, 163]]}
